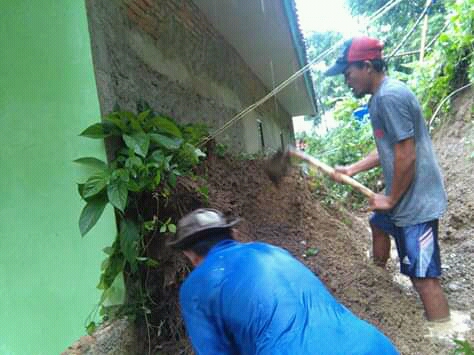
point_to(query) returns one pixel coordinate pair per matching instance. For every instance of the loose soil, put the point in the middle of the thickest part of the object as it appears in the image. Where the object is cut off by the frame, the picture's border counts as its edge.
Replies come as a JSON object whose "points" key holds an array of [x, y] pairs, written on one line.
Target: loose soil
{"points": [[291, 217], [334, 243]]}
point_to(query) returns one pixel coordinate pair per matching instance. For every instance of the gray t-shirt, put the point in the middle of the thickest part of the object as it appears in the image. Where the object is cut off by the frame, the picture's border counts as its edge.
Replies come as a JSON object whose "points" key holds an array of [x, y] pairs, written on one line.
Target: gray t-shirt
{"points": [[396, 115]]}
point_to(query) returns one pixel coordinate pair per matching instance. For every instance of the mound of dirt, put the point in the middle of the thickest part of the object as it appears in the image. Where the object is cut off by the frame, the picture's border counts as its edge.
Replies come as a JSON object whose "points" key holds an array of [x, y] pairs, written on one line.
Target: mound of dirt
{"points": [[335, 243], [290, 216]]}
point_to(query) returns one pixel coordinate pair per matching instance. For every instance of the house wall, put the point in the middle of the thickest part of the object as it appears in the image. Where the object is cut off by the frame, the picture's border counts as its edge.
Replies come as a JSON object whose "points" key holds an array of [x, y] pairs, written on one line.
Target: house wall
{"points": [[48, 273], [166, 52]]}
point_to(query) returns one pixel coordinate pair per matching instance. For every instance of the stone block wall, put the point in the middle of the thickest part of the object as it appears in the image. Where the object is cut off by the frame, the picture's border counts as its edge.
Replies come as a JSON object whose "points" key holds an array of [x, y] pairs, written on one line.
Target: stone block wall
{"points": [[167, 53]]}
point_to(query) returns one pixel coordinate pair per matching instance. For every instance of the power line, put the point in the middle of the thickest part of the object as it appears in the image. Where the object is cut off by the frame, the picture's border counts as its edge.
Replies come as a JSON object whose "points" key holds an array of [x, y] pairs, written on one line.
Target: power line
{"points": [[446, 99], [379, 13], [428, 46], [405, 38]]}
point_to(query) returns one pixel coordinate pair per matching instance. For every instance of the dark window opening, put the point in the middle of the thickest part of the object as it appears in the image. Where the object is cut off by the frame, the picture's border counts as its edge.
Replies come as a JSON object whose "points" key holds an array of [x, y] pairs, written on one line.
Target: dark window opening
{"points": [[260, 129]]}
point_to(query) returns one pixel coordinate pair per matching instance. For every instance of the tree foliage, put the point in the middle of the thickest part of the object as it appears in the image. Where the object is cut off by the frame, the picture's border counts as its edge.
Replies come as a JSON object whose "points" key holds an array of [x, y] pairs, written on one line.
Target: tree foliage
{"points": [[348, 142], [393, 25], [328, 92], [448, 65]]}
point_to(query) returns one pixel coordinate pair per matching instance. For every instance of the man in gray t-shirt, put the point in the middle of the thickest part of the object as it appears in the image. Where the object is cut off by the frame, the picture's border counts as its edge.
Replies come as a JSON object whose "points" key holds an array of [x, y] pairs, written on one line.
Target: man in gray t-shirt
{"points": [[414, 197]]}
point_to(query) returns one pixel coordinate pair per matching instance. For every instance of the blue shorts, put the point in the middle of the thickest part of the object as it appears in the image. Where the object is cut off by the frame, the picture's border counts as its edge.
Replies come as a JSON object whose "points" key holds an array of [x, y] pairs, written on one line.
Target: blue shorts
{"points": [[417, 245]]}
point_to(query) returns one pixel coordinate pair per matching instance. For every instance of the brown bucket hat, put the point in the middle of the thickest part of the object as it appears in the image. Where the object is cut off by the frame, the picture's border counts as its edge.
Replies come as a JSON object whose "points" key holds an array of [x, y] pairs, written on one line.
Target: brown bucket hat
{"points": [[191, 226]]}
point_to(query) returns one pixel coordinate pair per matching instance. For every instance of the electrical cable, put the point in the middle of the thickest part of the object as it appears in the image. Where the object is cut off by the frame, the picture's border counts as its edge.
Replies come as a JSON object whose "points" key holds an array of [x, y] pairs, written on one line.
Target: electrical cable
{"points": [[275, 91], [405, 38], [445, 99], [383, 10], [428, 46], [293, 77]]}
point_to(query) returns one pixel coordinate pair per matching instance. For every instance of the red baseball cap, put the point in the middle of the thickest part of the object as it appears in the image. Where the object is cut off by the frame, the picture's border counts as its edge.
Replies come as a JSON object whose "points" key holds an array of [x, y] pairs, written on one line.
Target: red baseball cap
{"points": [[355, 50]]}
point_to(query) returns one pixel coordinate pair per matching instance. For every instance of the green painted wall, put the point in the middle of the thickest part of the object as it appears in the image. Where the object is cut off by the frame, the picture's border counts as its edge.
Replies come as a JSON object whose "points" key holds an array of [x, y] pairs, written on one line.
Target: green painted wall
{"points": [[48, 272]]}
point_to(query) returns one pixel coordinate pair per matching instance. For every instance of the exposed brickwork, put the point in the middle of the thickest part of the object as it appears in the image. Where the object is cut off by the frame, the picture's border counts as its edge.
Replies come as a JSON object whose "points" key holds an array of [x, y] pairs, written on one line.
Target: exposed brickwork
{"points": [[182, 34]]}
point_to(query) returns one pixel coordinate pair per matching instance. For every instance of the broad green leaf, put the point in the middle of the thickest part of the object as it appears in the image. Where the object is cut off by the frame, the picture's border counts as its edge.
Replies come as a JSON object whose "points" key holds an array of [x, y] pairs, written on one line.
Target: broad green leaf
{"points": [[142, 116], [172, 179], [91, 213], [121, 174], [167, 126], [111, 266], [91, 327], [132, 119], [163, 228], [92, 162], [115, 119], [133, 186], [172, 228], [157, 178], [150, 166], [168, 161], [80, 189], [129, 238], [133, 162], [105, 264], [158, 156], [117, 193], [149, 261], [95, 184], [115, 294], [127, 115], [98, 130], [108, 250], [138, 142], [149, 225], [166, 142]]}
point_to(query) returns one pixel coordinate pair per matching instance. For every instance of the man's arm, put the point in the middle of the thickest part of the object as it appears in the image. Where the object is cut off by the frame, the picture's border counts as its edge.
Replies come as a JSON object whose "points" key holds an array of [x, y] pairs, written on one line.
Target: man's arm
{"points": [[205, 337], [404, 172], [205, 334], [367, 163]]}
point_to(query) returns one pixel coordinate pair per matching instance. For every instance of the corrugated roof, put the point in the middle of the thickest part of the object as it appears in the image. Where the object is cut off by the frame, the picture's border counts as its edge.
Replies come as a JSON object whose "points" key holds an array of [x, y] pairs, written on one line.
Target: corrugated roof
{"points": [[300, 46]]}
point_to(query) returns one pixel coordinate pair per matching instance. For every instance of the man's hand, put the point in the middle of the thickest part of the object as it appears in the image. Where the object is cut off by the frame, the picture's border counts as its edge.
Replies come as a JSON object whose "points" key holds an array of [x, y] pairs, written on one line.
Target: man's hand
{"points": [[338, 170], [381, 202]]}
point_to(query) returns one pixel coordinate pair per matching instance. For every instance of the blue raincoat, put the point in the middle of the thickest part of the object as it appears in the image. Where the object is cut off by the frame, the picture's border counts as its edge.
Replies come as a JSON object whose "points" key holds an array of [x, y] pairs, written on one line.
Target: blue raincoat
{"points": [[254, 298]]}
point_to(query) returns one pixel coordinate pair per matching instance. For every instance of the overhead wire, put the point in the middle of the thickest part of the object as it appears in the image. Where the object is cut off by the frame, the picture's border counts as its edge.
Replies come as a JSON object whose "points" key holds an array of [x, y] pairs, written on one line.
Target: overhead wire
{"points": [[446, 99], [379, 13], [275, 91], [428, 46], [383, 10], [415, 25]]}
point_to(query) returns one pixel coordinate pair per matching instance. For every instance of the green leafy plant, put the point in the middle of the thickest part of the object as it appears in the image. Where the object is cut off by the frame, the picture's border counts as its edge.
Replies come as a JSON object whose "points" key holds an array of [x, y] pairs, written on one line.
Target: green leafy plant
{"points": [[344, 144], [463, 347], [151, 152], [221, 149], [450, 64]]}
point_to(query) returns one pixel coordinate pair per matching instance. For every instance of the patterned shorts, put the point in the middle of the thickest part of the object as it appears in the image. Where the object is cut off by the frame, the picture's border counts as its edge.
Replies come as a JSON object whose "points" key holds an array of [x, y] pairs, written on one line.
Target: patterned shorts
{"points": [[417, 246]]}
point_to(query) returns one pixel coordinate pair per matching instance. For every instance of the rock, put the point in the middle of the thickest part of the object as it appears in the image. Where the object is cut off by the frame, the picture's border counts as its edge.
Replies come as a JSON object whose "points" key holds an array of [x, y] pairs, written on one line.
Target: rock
{"points": [[114, 338], [455, 286]]}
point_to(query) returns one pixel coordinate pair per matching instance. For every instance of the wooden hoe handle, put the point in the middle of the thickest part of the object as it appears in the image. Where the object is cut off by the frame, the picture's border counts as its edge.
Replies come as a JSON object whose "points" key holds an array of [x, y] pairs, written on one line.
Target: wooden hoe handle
{"points": [[330, 171]]}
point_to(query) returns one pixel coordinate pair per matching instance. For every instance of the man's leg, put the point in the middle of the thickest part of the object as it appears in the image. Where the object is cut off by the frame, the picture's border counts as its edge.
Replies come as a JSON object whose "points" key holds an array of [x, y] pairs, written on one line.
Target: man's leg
{"points": [[380, 246], [433, 298], [420, 260]]}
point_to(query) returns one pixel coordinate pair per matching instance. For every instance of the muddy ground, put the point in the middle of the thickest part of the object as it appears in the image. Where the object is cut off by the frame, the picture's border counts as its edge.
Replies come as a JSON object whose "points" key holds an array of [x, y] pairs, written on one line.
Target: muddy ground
{"points": [[293, 217]]}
